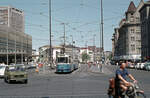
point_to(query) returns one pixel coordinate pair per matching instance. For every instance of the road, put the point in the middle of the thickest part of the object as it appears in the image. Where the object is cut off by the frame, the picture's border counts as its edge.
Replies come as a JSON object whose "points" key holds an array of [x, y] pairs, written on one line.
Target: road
{"points": [[82, 83]]}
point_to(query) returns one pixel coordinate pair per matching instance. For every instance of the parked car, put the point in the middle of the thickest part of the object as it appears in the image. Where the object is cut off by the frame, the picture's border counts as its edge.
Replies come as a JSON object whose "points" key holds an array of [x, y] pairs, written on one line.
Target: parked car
{"points": [[15, 73], [137, 66], [112, 62], [2, 71], [130, 65], [147, 66], [31, 66], [141, 66]]}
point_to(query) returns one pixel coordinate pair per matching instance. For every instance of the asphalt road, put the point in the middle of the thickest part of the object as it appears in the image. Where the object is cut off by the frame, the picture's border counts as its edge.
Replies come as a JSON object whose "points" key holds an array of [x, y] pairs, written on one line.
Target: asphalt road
{"points": [[81, 83]]}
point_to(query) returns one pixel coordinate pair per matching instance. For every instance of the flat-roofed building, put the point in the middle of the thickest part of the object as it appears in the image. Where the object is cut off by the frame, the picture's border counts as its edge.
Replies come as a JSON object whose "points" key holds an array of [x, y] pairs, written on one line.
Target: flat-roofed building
{"points": [[13, 40]]}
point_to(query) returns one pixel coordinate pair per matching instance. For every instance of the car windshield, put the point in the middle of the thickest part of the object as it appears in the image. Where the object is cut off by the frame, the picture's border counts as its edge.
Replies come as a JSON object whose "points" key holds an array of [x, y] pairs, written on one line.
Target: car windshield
{"points": [[2, 67], [16, 68], [62, 60]]}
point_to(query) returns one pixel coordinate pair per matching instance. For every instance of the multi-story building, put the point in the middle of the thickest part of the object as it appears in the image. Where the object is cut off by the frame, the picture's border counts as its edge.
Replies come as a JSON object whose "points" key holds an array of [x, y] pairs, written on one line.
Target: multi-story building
{"points": [[145, 29], [93, 51], [14, 43], [129, 40], [69, 49], [35, 56], [115, 44]]}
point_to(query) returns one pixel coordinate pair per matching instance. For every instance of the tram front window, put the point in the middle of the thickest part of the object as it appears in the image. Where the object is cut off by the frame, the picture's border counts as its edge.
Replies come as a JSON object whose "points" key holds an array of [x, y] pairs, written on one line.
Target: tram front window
{"points": [[62, 60]]}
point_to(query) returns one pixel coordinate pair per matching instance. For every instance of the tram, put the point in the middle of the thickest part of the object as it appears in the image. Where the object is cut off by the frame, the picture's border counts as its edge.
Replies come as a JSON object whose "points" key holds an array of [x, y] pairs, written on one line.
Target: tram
{"points": [[64, 63]]}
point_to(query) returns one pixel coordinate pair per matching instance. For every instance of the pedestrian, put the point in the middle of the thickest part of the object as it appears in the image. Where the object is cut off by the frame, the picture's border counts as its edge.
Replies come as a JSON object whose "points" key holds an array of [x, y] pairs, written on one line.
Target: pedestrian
{"points": [[100, 67], [117, 63], [37, 69]]}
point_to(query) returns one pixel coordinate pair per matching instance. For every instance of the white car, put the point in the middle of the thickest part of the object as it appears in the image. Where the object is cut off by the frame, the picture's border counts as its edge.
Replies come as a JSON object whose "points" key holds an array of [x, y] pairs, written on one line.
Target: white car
{"points": [[2, 71], [141, 66], [137, 66]]}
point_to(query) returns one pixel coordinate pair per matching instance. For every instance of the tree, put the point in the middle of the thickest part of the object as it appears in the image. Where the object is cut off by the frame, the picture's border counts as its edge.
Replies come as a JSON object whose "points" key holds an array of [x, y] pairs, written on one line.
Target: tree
{"points": [[110, 57], [85, 57]]}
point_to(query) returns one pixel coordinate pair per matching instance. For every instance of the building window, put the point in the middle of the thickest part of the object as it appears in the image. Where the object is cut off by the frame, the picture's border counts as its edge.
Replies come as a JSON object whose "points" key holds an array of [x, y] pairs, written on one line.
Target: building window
{"points": [[137, 19], [138, 31], [132, 19], [132, 38], [133, 47], [132, 31]]}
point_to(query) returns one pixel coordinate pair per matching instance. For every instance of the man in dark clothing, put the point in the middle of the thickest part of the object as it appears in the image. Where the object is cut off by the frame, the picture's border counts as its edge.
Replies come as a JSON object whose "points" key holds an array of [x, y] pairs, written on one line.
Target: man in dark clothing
{"points": [[121, 80]]}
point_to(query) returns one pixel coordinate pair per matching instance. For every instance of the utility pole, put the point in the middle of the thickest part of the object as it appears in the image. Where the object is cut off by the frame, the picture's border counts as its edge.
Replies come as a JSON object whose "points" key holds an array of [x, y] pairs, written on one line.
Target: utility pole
{"points": [[15, 46], [101, 38], [86, 46], [102, 23], [64, 37], [22, 49], [27, 51], [72, 46], [94, 47], [7, 46], [101, 32], [50, 50], [8, 36]]}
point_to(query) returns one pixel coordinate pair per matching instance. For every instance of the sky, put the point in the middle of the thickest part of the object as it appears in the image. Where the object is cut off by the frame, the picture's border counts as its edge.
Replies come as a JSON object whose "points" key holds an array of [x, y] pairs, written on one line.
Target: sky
{"points": [[81, 19]]}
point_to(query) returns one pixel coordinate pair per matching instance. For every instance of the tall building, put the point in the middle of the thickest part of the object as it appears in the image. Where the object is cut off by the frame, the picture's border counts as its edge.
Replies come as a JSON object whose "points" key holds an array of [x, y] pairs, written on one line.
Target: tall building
{"points": [[14, 42], [115, 44], [128, 46], [145, 29]]}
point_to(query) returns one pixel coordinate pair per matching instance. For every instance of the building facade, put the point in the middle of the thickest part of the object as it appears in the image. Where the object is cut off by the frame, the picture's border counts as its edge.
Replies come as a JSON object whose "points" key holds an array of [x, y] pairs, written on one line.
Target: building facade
{"points": [[145, 29], [44, 52], [128, 46], [115, 51], [14, 42], [35, 56], [93, 52]]}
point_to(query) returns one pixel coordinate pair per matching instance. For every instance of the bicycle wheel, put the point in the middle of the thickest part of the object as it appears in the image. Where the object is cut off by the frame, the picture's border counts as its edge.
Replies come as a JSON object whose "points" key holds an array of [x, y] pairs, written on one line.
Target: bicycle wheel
{"points": [[140, 95]]}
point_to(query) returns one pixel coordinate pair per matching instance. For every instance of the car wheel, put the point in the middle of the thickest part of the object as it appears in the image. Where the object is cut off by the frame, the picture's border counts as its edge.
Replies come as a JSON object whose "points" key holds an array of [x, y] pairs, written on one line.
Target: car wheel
{"points": [[26, 81], [5, 80], [8, 81]]}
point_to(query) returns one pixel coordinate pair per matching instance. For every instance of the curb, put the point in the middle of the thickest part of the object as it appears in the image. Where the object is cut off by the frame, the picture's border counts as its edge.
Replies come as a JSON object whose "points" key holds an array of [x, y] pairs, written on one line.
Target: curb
{"points": [[96, 72]]}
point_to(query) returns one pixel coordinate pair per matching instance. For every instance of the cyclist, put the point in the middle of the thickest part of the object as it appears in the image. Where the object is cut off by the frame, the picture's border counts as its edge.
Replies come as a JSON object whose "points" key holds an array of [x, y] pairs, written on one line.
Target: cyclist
{"points": [[121, 82]]}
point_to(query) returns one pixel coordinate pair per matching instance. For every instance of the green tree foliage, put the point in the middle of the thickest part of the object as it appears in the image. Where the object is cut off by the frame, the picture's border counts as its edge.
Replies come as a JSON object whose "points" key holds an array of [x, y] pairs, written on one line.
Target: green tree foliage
{"points": [[85, 57]]}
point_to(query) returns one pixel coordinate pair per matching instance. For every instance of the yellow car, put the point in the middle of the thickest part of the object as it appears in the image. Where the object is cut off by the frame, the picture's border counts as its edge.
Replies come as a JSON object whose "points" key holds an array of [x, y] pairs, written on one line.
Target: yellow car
{"points": [[15, 73]]}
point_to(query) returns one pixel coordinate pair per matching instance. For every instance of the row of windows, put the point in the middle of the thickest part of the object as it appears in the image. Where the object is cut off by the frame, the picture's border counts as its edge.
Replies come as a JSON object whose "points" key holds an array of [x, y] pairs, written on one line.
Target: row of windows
{"points": [[133, 47], [134, 19], [11, 51], [135, 39], [132, 38], [132, 31]]}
